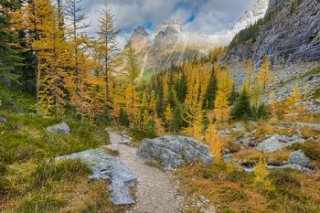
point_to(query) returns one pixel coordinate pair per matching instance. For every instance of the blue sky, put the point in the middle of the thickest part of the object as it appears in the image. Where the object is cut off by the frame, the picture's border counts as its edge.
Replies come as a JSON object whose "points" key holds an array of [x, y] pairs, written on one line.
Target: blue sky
{"points": [[203, 16]]}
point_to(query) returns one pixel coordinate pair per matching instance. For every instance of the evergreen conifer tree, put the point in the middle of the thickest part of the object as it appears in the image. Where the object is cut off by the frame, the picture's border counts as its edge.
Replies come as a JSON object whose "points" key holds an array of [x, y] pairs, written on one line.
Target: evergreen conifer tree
{"points": [[177, 120], [123, 118], [9, 56], [242, 109], [211, 91]]}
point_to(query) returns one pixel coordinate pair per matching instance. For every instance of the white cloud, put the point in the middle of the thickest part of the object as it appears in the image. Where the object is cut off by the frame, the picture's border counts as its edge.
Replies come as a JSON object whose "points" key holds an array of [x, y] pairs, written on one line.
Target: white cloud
{"points": [[211, 17]]}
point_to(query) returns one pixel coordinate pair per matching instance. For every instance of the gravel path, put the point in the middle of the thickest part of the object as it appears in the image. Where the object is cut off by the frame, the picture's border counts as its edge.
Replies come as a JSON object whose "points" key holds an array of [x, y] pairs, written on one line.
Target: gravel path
{"points": [[156, 190]]}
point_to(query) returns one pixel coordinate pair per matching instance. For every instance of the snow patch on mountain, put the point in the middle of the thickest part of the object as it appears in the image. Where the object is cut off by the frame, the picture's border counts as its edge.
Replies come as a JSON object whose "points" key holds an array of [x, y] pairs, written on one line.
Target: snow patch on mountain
{"points": [[251, 16]]}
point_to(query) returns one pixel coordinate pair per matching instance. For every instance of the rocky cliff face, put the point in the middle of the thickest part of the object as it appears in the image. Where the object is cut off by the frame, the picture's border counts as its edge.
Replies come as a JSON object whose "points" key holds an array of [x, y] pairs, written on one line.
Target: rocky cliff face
{"points": [[289, 33]]}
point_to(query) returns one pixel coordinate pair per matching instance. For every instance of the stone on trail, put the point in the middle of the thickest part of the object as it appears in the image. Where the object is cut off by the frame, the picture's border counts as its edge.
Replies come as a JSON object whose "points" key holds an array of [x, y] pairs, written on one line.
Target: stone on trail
{"points": [[60, 128], [172, 152], [103, 167], [278, 142], [299, 158], [125, 140]]}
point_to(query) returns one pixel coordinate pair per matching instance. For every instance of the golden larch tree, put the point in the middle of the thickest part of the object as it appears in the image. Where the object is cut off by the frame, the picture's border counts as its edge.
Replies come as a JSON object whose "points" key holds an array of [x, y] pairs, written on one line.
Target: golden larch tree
{"points": [[214, 141], [293, 105], [264, 76]]}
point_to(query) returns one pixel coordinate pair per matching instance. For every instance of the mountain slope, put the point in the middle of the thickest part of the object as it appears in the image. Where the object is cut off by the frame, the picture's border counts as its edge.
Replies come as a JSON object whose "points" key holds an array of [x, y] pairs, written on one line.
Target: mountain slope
{"points": [[289, 33]]}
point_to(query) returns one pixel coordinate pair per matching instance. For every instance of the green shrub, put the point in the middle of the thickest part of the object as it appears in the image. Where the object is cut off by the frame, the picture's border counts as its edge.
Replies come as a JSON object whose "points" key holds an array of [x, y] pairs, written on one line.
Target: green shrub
{"points": [[284, 179], [139, 135], [3, 169], [123, 118], [231, 195], [237, 176], [5, 186]]}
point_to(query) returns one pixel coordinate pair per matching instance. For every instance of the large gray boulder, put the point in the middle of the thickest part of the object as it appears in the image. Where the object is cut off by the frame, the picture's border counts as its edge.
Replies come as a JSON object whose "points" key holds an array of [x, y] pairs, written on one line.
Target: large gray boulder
{"points": [[172, 152], [60, 128], [299, 158], [103, 167], [278, 142]]}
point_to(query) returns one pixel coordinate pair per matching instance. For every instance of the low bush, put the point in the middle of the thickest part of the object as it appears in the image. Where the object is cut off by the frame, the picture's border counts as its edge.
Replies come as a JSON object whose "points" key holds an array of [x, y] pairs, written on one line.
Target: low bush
{"points": [[284, 179], [3, 169], [5, 186]]}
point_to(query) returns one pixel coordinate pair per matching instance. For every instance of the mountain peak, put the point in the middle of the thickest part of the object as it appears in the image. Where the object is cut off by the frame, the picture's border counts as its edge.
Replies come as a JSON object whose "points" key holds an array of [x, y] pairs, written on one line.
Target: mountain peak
{"points": [[140, 31], [173, 25], [256, 12]]}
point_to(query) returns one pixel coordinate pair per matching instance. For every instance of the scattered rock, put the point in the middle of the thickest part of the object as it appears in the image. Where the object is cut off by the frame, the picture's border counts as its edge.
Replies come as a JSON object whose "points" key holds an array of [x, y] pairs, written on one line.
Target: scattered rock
{"points": [[174, 151], [125, 140], [104, 167], [249, 141], [60, 128], [278, 142], [239, 128], [224, 132], [3, 120], [252, 123], [314, 126], [299, 158], [292, 166], [227, 157]]}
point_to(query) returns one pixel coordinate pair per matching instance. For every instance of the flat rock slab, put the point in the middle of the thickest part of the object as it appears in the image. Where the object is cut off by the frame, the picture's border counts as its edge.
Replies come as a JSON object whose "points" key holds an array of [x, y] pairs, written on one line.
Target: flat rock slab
{"points": [[172, 152], [278, 142], [104, 167], [292, 166]]}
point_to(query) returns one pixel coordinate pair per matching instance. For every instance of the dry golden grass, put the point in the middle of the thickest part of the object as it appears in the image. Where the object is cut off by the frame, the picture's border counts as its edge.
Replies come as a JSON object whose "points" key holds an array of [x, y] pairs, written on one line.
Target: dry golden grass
{"points": [[308, 132], [225, 194], [252, 154], [264, 128], [229, 195], [78, 194]]}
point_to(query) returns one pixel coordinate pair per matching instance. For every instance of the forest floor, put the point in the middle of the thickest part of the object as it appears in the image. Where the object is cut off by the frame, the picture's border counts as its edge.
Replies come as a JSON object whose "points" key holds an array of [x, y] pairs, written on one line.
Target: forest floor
{"points": [[157, 191]]}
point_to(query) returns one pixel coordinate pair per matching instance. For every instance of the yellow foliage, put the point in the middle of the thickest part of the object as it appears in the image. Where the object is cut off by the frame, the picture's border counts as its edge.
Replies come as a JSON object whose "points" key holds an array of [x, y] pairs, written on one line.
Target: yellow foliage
{"points": [[168, 114], [195, 121], [261, 173], [214, 141], [293, 107], [264, 76], [222, 107]]}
